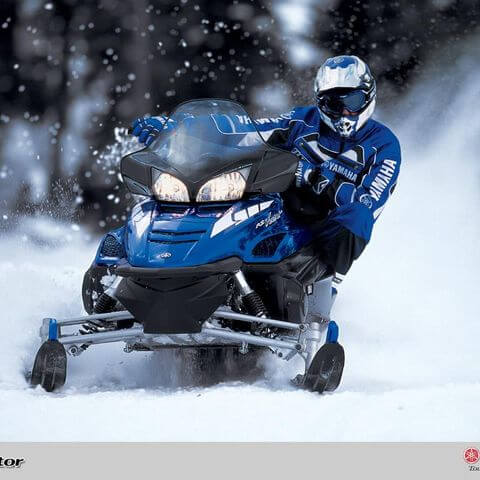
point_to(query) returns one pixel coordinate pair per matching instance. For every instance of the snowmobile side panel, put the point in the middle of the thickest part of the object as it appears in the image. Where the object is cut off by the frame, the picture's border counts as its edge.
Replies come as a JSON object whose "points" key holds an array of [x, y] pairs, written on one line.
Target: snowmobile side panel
{"points": [[283, 285]]}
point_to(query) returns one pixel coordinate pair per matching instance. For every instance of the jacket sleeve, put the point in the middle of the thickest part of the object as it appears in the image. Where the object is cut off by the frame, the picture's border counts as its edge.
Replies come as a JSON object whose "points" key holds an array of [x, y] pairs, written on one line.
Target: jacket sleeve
{"points": [[274, 130], [358, 207], [342, 237]]}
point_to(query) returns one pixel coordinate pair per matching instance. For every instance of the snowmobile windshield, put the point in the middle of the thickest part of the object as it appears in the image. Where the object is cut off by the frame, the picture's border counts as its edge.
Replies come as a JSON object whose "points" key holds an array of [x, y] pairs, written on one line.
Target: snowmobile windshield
{"points": [[206, 137]]}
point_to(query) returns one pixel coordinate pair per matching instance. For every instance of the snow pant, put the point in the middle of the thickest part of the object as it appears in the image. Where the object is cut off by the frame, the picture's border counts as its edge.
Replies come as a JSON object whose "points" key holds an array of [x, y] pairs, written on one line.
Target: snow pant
{"points": [[343, 231], [337, 246]]}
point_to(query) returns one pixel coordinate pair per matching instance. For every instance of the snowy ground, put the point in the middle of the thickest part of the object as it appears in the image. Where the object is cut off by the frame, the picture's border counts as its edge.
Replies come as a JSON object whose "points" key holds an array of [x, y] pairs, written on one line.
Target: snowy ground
{"points": [[408, 316]]}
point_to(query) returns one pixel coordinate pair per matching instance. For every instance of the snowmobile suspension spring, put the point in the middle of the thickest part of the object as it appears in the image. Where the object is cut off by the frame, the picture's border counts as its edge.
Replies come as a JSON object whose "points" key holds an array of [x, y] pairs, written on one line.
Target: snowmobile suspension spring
{"points": [[254, 305], [105, 304]]}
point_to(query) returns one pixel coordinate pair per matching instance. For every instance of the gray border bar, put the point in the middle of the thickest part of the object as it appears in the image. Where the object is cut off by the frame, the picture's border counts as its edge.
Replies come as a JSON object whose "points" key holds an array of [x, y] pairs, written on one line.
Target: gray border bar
{"points": [[226, 461]]}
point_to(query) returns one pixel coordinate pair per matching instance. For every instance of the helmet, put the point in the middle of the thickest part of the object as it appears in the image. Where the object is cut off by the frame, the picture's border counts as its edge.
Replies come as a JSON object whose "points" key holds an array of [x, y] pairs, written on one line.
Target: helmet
{"points": [[345, 91]]}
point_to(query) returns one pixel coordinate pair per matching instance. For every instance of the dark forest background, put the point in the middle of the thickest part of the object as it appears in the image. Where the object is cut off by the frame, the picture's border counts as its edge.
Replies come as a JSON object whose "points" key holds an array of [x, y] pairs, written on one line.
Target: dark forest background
{"points": [[72, 73]]}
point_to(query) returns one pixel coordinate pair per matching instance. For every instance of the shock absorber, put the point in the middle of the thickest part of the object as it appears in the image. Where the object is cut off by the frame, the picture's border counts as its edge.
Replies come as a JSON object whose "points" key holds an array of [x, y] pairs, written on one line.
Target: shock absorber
{"points": [[104, 304], [251, 299], [106, 301]]}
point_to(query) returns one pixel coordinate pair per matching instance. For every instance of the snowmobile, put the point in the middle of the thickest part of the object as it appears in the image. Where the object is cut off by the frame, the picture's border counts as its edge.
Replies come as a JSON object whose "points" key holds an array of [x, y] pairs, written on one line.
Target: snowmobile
{"points": [[213, 258]]}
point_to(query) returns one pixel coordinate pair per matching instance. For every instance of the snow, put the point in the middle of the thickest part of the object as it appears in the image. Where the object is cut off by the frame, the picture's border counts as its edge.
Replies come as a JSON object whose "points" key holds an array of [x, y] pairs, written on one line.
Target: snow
{"points": [[407, 312]]}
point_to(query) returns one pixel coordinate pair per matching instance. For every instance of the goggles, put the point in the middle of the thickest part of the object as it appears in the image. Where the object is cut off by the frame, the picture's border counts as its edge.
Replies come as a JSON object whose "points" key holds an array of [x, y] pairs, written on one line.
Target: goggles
{"points": [[335, 103]]}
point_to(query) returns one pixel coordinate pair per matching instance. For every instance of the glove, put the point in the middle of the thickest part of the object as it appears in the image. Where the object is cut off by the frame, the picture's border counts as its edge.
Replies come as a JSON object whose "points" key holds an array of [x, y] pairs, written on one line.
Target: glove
{"points": [[146, 129], [321, 178], [303, 173], [310, 175]]}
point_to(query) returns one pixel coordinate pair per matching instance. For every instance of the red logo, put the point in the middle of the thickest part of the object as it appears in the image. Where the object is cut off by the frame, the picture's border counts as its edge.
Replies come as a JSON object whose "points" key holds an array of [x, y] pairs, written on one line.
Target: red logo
{"points": [[471, 455]]}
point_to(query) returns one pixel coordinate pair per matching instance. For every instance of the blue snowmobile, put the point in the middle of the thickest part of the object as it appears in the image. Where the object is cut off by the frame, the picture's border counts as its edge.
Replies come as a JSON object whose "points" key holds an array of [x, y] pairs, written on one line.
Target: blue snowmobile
{"points": [[214, 258]]}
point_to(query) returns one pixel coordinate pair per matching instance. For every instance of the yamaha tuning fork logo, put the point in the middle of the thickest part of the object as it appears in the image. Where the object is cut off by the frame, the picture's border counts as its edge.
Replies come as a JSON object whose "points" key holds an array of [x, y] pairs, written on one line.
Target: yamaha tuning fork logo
{"points": [[471, 456]]}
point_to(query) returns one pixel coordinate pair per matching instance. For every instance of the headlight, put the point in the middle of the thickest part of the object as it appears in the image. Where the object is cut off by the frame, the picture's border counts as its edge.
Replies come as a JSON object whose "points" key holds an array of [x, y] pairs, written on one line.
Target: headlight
{"points": [[170, 189], [229, 186]]}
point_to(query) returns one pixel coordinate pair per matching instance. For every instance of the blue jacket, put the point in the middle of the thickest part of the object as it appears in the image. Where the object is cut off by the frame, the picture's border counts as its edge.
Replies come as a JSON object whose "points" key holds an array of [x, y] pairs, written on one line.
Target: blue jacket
{"points": [[360, 172]]}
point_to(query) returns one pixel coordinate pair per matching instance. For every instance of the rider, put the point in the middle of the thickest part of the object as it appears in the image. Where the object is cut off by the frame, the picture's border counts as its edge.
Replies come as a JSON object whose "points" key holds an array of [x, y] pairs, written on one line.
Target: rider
{"points": [[349, 163]]}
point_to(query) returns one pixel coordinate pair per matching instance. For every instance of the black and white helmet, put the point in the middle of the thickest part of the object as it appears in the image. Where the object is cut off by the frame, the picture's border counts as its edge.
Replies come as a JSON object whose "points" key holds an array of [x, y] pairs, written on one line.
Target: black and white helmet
{"points": [[345, 91]]}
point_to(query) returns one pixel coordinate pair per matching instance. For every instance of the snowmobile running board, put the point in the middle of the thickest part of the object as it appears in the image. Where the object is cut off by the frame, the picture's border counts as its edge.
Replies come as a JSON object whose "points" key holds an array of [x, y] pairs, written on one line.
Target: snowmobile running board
{"points": [[52, 330]]}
